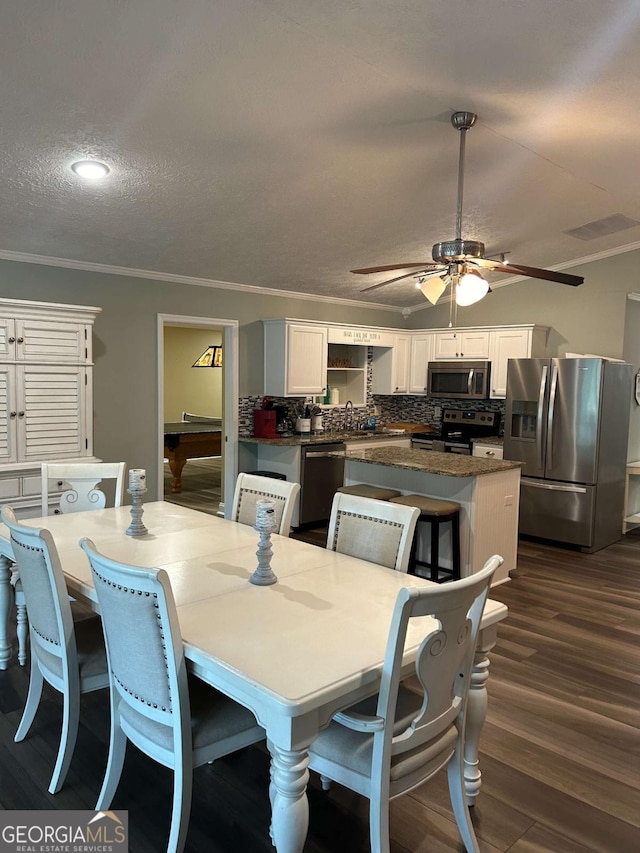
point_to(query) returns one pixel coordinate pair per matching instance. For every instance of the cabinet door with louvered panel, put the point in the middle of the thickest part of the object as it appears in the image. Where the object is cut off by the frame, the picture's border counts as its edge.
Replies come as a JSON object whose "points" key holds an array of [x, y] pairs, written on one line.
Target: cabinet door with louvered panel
{"points": [[52, 412], [8, 414], [53, 342]]}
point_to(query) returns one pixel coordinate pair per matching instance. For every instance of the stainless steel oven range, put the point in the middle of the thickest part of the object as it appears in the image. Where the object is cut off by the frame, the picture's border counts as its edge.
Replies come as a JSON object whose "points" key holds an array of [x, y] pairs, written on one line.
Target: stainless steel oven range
{"points": [[459, 428]]}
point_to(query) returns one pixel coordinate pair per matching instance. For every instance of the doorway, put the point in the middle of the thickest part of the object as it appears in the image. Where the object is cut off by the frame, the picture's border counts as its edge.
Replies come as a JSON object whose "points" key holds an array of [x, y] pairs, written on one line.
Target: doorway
{"points": [[209, 395]]}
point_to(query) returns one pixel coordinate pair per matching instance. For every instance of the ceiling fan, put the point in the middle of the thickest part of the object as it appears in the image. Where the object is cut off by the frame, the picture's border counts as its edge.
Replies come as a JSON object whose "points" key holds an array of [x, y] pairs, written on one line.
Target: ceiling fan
{"points": [[460, 262]]}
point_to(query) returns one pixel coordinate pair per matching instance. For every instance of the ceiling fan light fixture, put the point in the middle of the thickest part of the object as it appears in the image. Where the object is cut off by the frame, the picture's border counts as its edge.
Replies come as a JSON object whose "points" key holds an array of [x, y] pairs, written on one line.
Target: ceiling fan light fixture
{"points": [[433, 288], [471, 289]]}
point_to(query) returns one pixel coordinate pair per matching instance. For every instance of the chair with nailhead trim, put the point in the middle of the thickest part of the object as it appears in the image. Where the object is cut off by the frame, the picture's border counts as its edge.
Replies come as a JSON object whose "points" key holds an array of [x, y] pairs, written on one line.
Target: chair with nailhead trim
{"points": [[172, 717], [80, 481], [378, 531], [251, 488], [67, 653]]}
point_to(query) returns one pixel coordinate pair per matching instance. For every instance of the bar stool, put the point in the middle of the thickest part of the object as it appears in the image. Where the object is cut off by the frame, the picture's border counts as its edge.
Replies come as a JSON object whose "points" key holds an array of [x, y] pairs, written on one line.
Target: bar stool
{"points": [[435, 512], [378, 493]]}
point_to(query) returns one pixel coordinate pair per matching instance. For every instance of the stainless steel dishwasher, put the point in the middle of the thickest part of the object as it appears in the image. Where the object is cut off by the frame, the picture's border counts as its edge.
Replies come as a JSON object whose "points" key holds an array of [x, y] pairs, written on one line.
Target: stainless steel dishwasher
{"points": [[321, 474]]}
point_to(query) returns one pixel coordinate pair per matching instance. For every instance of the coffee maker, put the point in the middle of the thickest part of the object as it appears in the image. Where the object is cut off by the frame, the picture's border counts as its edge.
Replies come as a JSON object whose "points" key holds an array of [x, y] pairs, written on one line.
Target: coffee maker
{"points": [[270, 421]]}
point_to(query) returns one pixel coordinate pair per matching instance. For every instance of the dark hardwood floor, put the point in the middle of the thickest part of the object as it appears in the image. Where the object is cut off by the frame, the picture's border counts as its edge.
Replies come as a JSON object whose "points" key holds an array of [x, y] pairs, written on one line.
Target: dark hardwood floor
{"points": [[559, 751]]}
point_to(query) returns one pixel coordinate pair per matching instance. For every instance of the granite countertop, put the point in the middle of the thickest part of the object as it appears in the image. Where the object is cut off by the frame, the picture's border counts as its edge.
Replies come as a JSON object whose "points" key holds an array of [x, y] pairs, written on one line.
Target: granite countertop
{"points": [[431, 462], [492, 439], [325, 438]]}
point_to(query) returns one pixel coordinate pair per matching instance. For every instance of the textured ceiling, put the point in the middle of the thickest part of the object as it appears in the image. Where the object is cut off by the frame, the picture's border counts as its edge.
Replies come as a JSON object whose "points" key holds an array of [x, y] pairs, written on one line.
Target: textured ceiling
{"points": [[281, 143]]}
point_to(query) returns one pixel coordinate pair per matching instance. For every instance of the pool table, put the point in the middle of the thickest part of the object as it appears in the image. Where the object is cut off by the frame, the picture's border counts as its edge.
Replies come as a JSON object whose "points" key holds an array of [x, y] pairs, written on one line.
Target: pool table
{"points": [[190, 440]]}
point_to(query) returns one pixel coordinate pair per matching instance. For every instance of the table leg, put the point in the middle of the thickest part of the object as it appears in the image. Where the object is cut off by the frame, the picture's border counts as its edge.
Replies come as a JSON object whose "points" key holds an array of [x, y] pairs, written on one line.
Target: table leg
{"points": [[176, 466], [289, 805], [476, 713], [6, 595]]}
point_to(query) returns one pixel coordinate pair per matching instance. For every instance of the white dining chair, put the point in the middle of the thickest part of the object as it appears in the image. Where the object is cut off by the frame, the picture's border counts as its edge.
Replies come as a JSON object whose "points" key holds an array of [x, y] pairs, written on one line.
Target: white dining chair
{"points": [[251, 488], [176, 719], [79, 483], [69, 655], [81, 480], [373, 530], [395, 741]]}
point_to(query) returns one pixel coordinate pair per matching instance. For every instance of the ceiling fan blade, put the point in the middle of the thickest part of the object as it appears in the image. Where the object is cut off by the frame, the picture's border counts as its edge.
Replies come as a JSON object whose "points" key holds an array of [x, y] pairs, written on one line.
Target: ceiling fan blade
{"points": [[389, 267], [399, 278], [532, 272]]}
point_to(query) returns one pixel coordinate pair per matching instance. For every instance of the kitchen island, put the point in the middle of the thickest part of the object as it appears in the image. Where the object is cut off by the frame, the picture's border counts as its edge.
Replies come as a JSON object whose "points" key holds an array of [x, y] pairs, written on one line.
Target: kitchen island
{"points": [[487, 490], [299, 458]]}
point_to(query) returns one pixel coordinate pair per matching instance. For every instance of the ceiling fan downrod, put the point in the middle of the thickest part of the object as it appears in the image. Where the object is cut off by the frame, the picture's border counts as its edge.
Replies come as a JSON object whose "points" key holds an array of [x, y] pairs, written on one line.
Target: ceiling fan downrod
{"points": [[459, 249]]}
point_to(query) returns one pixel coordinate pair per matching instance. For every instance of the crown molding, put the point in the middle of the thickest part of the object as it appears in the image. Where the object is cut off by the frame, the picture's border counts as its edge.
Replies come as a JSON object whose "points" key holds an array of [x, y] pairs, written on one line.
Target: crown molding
{"points": [[65, 263]]}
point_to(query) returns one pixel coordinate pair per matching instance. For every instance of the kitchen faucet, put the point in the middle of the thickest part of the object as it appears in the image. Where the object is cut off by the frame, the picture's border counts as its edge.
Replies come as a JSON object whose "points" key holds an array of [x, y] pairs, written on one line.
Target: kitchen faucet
{"points": [[348, 415]]}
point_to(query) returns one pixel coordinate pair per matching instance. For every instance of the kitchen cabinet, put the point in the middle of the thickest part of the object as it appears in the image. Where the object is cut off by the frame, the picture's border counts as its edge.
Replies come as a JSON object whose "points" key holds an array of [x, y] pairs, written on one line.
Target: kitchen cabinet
{"points": [[487, 451], [46, 403], [472, 344], [513, 342], [295, 359], [631, 513], [390, 374], [422, 349], [347, 371]]}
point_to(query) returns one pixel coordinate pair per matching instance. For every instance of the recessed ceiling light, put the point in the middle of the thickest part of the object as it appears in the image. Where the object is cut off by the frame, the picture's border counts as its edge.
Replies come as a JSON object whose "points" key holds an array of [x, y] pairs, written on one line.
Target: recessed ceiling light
{"points": [[90, 169]]}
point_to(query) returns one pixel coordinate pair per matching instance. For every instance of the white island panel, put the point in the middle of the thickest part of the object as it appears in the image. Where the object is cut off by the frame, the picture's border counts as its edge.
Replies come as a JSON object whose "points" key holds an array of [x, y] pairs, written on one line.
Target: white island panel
{"points": [[488, 509]]}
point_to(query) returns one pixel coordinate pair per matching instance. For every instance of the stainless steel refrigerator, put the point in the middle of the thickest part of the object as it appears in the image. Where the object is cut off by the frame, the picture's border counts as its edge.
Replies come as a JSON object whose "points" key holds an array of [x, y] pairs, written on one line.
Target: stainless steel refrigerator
{"points": [[567, 421]]}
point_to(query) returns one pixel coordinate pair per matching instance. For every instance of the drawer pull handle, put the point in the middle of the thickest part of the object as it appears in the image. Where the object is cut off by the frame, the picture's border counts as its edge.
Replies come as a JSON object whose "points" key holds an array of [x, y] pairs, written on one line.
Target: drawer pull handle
{"points": [[12, 340], [20, 414], [491, 453], [13, 414], [20, 340], [60, 482]]}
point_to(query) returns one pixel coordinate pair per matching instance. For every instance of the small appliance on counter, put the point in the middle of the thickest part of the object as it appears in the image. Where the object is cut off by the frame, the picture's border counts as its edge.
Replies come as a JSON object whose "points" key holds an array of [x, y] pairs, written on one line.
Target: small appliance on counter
{"points": [[459, 428], [270, 421], [265, 423]]}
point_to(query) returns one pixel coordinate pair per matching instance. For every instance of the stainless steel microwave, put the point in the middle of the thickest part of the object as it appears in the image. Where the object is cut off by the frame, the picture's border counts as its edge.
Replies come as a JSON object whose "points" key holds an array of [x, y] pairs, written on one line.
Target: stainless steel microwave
{"points": [[459, 380]]}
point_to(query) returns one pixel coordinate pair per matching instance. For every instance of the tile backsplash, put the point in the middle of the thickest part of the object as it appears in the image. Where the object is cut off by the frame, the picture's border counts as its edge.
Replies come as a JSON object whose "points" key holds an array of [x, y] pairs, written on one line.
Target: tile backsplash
{"points": [[392, 408]]}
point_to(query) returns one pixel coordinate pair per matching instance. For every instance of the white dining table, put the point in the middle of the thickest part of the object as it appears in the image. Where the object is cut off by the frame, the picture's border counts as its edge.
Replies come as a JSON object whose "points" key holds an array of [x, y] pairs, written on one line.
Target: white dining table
{"points": [[295, 652]]}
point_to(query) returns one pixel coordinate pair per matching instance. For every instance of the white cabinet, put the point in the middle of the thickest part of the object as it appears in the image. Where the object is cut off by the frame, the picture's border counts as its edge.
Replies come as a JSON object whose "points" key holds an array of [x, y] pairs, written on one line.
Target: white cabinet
{"points": [[472, 344], [422, 348], [295, 359], [347, 371], [513, 342], [391, 367], [487, 451], [46, 386]]}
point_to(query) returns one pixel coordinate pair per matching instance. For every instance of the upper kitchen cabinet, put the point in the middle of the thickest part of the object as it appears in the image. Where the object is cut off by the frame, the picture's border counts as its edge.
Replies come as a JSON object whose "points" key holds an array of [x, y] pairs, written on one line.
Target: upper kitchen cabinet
{"points": [[295, 358], [347, 371], [46, 403], [390, 373], [471, 344], [513, 342], [422, 348]]}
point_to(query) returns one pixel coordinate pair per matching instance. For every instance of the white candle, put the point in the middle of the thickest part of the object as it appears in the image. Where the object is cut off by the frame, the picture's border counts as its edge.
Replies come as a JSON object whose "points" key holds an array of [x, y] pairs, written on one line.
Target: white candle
{"points": [[137, 479], [265, 515]]}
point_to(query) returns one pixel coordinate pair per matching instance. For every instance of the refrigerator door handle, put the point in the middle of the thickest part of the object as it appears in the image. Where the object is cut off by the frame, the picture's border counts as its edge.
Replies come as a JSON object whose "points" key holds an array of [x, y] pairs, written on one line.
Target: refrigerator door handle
{"points": [[553, 487], [543, 388], [470, 382], [552, 406]]}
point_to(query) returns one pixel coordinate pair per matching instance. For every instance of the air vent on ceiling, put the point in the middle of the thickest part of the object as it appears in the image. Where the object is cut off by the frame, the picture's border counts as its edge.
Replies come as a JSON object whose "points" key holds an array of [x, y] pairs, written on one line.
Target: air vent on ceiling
{"points": [[602, 227]]}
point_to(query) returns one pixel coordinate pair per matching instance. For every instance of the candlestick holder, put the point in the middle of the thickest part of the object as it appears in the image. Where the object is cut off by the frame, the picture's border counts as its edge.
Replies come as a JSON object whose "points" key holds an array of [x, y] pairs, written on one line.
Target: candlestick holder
{"points": [[265, 525], [136, 528]]}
